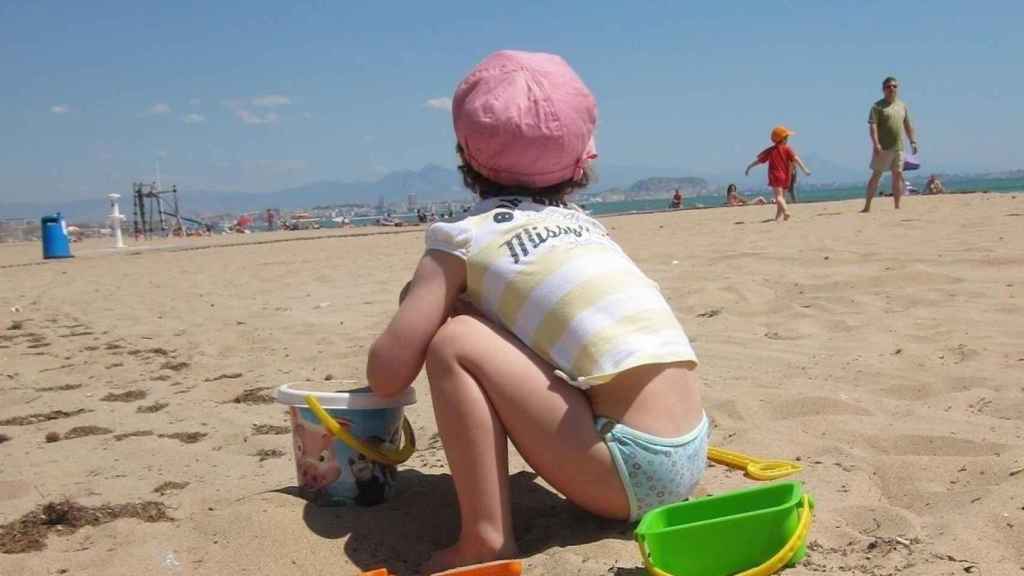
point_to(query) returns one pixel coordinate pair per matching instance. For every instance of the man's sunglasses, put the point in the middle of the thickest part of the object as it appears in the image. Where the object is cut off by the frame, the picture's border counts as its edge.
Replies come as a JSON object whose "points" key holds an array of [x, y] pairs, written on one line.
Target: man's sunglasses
{"points": [[891, 86]]}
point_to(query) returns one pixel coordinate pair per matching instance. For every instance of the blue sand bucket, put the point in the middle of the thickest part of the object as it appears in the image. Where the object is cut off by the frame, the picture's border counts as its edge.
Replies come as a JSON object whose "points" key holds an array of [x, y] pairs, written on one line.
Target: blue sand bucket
{"points": [[55, 237], [336, 472]]}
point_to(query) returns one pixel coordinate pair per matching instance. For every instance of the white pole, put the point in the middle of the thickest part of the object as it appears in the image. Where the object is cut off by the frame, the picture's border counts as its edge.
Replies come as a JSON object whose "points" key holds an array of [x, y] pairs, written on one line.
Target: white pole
{"points": [[115, 220]]}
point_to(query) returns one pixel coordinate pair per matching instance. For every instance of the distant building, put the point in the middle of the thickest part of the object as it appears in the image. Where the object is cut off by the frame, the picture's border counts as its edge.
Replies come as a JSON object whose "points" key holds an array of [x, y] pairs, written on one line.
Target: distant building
{"points": [[412, 202], [18, 229]]}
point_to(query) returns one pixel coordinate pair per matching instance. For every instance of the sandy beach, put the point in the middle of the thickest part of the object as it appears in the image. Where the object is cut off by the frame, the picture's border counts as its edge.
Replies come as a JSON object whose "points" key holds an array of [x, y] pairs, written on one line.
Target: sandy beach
{"points": [[885, 352]]}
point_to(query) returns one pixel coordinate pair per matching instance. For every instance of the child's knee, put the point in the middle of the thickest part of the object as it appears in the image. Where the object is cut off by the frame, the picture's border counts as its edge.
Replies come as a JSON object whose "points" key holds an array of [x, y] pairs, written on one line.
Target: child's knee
{"points": [[449, 341]]}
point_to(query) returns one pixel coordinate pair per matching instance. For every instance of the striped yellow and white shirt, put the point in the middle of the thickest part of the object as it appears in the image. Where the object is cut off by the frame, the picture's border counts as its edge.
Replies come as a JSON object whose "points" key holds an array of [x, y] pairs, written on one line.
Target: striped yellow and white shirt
{"points": [[551, 275]]}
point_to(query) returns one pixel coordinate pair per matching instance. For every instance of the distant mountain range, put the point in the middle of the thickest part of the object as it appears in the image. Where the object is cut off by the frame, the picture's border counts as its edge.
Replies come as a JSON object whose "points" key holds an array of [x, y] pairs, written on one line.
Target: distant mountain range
{"points": [[430, 183], [657, 187], [436, 183]]}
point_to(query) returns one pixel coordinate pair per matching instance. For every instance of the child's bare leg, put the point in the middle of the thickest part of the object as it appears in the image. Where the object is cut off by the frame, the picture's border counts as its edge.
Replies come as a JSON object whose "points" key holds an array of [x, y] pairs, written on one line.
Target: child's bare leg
{"points": [[485, 385], [781, 210]]}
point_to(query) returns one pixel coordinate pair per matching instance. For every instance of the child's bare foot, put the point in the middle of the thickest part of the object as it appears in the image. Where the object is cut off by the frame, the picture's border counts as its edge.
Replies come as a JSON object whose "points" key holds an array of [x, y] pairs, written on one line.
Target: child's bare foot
{"points": [[786, 216], [463, 555]]}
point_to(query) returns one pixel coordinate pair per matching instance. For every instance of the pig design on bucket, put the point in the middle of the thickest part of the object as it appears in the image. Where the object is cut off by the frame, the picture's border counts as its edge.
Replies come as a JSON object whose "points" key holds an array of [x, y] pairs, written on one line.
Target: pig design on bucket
{"points": [[316, 462]]}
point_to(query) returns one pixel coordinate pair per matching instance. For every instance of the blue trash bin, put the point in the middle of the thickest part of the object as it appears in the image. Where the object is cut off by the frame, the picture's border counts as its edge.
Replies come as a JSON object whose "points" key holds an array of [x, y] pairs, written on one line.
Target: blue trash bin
{"points": [[55, 237]]}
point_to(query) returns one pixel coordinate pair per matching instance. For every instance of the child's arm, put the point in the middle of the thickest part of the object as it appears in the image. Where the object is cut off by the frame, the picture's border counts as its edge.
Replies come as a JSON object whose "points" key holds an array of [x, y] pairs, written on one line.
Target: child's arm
{"points": [[800, 163], [397, 355], [751, 165]]}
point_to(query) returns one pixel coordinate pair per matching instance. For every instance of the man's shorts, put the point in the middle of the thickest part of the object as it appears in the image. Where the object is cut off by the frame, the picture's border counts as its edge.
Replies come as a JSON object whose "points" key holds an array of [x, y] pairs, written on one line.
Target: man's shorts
{"points": [[887, 161]]}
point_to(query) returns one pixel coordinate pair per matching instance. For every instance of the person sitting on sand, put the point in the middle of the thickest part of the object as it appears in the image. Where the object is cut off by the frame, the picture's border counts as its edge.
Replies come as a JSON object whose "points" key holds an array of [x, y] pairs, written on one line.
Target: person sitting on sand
{"points": [[734, 198], [677, 200], [589, 374], [934, 185], [780, 158]]}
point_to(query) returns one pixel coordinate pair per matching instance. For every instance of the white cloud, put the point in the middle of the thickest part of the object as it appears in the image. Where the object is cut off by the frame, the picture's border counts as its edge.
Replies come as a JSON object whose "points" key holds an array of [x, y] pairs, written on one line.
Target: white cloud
{"points": [[157, 109], [60, 109], [271, 101], [443, 103], [193, 118], [248, 109], [250, 117]]}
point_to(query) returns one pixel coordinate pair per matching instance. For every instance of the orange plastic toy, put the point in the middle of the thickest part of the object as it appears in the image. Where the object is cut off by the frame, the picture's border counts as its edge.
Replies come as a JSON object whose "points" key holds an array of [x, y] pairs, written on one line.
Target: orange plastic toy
{"points": [[499, 568]]}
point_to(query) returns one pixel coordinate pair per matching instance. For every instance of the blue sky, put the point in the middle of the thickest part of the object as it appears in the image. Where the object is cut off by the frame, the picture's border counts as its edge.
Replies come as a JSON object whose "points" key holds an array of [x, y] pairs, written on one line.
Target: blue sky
{"points": [[259, 96]]}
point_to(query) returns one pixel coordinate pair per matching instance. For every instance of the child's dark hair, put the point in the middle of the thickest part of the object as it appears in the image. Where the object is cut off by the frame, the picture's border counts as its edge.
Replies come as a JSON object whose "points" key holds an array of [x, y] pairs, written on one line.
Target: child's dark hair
{"points": [[486, 188]]}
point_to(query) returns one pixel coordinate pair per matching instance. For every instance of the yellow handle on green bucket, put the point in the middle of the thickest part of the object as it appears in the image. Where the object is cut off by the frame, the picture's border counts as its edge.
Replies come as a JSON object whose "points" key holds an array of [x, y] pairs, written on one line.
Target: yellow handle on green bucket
{"points": [[768, 567], [754, 467], [375, 453]]}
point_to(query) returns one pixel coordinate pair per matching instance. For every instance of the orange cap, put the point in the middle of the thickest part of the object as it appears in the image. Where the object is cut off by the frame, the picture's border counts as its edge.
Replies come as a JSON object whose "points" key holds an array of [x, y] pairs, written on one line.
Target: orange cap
{"points": [[780, 133]]}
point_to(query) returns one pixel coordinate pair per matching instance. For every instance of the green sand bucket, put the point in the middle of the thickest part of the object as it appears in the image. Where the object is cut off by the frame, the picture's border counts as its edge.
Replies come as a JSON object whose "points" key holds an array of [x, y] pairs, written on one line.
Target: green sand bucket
{"points": [[756, 531]]}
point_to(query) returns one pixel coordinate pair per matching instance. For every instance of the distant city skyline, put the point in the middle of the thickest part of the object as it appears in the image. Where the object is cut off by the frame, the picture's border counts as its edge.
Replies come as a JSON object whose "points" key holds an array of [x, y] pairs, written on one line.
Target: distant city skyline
{"points": [[260, 97]]}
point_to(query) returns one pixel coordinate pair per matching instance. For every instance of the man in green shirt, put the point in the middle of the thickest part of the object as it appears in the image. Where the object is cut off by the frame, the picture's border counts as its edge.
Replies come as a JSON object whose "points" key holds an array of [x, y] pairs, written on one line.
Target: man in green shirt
{"points": [[888, 119]]}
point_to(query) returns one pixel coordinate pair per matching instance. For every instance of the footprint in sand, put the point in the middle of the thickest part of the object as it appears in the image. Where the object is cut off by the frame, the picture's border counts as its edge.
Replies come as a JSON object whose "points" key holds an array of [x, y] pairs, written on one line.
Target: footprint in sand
{"points": [[127, 396], [29, 533], [170, 486], [83, 431], [873, 521], [185, 437], [136, 434], [269, 430], [225, 376], [269, 453], [932, 445], [152, 408], [254, 396], [61, 388], [808, 406], [174, 366], [41, 417]]}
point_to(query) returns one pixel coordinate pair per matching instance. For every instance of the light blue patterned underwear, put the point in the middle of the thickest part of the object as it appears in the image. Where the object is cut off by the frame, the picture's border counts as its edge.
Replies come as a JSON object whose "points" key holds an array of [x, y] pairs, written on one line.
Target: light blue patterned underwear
{"points": [[655, 471]]}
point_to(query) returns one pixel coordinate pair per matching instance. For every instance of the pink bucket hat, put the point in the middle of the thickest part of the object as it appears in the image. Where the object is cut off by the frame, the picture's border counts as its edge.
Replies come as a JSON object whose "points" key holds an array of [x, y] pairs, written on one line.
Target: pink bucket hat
{"points": [[525, 119]]}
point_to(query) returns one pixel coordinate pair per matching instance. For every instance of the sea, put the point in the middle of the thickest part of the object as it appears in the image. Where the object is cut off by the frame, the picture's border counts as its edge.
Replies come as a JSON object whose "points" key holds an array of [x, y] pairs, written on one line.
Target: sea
{"points": [[804, 196], [809, 195]]}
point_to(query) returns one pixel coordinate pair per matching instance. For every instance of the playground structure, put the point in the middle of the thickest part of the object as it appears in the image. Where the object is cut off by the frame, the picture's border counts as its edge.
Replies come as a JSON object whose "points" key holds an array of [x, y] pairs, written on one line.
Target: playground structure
{"points": [[156, 210]]}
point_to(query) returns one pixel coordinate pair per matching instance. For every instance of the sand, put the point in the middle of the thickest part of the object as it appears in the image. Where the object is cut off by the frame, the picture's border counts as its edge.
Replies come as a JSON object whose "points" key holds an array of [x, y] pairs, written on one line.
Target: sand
{"points": [[883, 351]]}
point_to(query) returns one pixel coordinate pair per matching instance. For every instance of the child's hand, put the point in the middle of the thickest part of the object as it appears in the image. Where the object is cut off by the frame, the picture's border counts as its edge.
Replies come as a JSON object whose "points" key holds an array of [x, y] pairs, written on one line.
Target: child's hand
{"points": [[747, 171]]}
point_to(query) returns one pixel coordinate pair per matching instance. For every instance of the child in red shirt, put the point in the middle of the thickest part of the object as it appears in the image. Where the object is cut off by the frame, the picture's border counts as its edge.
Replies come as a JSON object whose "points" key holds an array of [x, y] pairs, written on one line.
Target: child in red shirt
{"points": [[780, 158]]}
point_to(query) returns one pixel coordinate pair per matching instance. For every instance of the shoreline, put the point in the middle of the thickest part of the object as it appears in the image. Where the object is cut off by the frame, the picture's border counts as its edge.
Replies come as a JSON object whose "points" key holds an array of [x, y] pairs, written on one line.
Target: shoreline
{"points": [[90, 248]]}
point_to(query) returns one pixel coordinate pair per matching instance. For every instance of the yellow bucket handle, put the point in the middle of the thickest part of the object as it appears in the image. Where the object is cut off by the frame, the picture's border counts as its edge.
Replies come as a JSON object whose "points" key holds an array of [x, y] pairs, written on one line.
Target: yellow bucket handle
{"points": [[768, 567], [754, 467], [373, 452]]}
